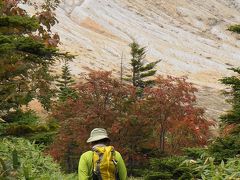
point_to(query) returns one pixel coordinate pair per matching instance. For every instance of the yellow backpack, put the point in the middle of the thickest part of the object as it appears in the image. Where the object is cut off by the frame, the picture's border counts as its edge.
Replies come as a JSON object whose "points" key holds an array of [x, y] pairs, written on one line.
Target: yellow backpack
{"points": [[104, 163]]}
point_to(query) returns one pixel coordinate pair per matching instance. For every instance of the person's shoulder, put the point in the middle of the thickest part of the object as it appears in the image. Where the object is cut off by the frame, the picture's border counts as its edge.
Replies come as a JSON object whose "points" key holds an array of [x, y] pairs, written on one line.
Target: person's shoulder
{"points": [[118, 155], [87, 154]]}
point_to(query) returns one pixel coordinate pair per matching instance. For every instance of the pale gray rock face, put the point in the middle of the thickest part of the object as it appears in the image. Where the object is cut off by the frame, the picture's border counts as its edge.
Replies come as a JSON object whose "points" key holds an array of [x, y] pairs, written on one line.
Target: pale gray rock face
{"points": [[189, 36]]}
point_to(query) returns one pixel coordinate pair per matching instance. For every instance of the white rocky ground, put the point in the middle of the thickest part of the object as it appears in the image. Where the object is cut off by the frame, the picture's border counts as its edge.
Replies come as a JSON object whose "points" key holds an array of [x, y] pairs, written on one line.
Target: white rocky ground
{"points": [[189, 36]]}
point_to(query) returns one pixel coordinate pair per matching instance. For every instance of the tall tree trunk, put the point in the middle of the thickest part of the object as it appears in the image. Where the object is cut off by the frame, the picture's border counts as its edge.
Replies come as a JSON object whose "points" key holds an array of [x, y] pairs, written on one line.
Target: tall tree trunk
{"points": [[134, 78], [162, 138], [68, 163]]}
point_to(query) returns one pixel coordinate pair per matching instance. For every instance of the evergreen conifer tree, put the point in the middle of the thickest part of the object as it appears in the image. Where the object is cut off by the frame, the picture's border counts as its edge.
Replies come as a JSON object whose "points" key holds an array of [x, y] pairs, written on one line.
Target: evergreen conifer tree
{"points": [[27, 50], [65, 84], [141, 70], [233, 116]]}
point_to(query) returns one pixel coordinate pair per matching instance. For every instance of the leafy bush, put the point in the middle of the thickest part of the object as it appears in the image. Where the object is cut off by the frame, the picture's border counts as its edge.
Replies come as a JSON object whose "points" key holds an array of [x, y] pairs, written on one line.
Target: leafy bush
{"points": [[204, 167], [168, 168], [225, 147], [41, 134], [209, 168], [18, 129], [45, 138], [195, 153], [21, 159], [20, 117], [30, 126]]}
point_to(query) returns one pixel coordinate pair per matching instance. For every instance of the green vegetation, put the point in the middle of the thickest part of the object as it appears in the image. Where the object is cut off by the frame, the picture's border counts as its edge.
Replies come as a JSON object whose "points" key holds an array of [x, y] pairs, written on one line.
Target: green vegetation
{"points": [[235, 28], [167, 168], [233, 92], [141, 71], [208, 168], [26, 54], [28, 125], [21, 159], [225, 147], [199, 167], [233, 95], [65, 84]]}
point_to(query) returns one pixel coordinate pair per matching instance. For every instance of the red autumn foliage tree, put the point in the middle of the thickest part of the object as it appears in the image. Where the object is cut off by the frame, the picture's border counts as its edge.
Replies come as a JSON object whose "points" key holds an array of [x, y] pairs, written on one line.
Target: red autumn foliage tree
{"points": [[173, 112], [191, 130], [168, 109], [102, 102]]}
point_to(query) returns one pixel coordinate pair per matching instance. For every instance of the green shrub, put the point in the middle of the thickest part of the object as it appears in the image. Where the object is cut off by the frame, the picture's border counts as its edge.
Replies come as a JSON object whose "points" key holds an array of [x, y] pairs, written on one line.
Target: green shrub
{"points": [[40, 132], [195, 153], [225, 147], [158, 175], [18, 129], [20, 117], [41, 128], [22, 129], [209, 168], [45, 138], [21, 159], [53, 124], [2, 128], [168, 168]]}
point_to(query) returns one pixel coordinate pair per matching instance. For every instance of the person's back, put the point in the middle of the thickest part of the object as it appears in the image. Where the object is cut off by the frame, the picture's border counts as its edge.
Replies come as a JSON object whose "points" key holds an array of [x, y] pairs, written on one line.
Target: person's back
{"points": [[102, 162]]}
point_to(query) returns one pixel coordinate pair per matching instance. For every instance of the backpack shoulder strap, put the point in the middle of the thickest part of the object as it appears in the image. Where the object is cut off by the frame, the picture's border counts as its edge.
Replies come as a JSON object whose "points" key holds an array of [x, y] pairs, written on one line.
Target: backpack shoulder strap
{"points": [[97, 157], [113, 152]]}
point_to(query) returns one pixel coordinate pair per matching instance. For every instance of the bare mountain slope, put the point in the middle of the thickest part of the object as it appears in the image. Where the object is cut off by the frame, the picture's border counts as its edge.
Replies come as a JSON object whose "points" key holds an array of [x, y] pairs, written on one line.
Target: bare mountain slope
{"points": [[189, 36]]}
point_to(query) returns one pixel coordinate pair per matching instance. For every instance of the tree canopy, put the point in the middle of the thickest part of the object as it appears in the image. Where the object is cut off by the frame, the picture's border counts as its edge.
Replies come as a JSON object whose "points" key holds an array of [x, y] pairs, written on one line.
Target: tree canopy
{"points": [[27, 50]]}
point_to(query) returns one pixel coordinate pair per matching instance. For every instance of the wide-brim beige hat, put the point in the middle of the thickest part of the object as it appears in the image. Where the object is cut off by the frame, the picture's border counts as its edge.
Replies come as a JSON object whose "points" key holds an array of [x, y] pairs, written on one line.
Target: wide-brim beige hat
{"points": [[97, 134]]}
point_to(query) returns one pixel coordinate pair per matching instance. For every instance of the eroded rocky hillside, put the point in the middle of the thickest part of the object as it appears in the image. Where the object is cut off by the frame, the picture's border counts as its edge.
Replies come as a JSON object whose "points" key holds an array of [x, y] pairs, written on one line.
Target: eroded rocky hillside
{"points": [[189, 36]]}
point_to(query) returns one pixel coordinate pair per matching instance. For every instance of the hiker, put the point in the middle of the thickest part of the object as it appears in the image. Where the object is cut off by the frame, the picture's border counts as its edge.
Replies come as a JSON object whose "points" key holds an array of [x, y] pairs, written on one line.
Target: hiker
{"points": [[102, 162]]}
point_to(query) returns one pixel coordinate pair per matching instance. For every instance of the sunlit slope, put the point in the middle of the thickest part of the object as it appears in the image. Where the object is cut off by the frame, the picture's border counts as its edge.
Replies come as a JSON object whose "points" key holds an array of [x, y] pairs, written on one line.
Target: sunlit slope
{"points": [[189, 36]]}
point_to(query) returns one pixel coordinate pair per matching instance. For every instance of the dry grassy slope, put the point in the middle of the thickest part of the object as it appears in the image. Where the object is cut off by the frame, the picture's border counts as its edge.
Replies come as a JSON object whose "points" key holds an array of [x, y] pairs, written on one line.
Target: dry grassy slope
{"points": [[188, 35]]}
